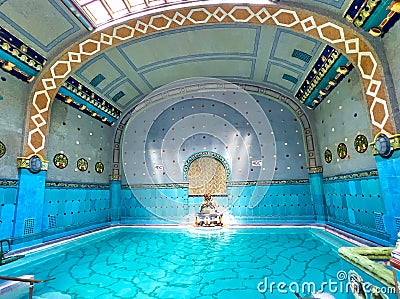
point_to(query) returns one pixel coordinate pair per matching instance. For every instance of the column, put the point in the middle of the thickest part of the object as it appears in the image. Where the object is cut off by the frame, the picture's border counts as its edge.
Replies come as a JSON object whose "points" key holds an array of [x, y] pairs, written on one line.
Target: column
{"points": [[30, 199], [115, 194], [389, 179], [317, 196]]}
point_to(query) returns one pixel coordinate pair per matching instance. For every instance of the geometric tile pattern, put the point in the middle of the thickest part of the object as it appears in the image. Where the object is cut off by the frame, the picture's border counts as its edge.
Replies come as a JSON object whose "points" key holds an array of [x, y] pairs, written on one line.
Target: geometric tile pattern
{"points": [[29, 226], [340, 36], [379, 224], [52, 221]]}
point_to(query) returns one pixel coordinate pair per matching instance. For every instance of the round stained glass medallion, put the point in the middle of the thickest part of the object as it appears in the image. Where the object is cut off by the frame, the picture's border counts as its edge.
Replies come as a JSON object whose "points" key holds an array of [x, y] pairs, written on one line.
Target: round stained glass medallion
{"points": [[35, 164], [361, 143], [382, 145], [99, 167], [328, 156], [60, 161], [2, 149], [82, 164], [342, 150]]}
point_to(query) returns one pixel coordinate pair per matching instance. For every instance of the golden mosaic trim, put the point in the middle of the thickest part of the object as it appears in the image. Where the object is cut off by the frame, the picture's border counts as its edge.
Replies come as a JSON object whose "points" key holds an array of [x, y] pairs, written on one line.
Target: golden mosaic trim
{"points": [[76, 185], [228, 184], [357, 175], [156, 186], [317, 169], [199, 155], [115, 177], [20, 55], [13, 70], [23, 162], [8, 183], [394, 143], [356, 48], [319, 74]]}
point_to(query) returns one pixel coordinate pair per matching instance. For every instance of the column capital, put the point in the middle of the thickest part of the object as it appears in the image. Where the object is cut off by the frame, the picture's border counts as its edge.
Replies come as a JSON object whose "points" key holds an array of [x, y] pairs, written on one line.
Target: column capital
{"points": [[115, 177], [385, 145], [34, 163], [316, 169]]}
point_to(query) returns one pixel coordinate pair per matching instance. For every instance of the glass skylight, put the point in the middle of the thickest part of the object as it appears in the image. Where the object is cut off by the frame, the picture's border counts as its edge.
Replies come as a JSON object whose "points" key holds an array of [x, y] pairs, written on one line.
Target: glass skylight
{"points": [[100, 12]]}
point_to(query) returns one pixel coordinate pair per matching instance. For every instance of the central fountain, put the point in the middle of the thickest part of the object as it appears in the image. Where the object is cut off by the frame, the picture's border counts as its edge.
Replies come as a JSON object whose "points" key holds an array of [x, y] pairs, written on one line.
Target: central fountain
{"points": [[208, 215]]}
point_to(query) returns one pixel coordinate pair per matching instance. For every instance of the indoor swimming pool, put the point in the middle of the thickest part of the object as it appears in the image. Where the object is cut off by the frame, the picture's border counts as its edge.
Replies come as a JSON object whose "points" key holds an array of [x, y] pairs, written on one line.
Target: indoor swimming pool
{"points": [[131, 262]]}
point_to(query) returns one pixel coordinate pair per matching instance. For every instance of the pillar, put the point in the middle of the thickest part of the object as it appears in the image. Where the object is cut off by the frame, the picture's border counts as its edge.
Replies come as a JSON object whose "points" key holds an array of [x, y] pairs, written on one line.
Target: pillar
{"points": [[317, 196], [115, 194], [389, 179], [30, 199]]}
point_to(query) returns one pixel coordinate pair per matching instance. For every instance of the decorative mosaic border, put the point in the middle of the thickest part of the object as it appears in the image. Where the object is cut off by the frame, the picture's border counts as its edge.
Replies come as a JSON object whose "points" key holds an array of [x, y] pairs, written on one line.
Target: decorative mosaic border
{"points": [[394, 144], [356, 48], [19, 50], [8, 183], [23, 162], [356, 175], [228, 184], [267, 183], [76, 185], [199, 155], [85, 93], [156, 186]]}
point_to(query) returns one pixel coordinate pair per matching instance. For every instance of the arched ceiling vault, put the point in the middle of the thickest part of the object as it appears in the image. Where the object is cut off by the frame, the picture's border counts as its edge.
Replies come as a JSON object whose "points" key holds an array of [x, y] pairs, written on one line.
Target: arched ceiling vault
{"points": [[249, 42]]}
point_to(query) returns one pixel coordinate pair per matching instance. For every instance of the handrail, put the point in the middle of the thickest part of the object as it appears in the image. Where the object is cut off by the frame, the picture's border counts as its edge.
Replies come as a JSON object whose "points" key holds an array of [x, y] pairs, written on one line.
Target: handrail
{"points": [[1, 245], [25, 279], [3, 258], [31, 282]]}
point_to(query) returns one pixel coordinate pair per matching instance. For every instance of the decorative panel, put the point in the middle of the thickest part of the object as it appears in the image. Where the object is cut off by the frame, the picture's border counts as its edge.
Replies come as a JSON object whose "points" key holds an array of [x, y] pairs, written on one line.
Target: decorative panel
{"points": [[374, 16], [207, 175], [327, 72], [74, 94], [29, 226]]}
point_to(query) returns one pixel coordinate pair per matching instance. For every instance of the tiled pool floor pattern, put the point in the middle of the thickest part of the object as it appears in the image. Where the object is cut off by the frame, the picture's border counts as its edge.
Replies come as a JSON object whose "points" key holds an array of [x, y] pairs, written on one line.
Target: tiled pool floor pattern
{"points": [[151, 263]]}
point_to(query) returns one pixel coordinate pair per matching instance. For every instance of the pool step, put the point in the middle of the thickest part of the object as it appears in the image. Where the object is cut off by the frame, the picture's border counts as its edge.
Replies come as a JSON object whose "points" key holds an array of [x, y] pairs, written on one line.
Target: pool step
{"points": [[15, 289], [331, 240]]}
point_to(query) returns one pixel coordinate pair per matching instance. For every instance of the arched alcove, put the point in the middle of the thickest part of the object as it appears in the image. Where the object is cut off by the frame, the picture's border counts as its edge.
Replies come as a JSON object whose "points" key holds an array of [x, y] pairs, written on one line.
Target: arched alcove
{"points": [[206, 172]]}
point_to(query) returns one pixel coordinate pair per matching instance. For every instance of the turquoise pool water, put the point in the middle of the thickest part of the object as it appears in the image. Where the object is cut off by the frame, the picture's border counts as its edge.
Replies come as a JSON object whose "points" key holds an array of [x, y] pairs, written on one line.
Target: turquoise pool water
{"points": [[181, 263]]}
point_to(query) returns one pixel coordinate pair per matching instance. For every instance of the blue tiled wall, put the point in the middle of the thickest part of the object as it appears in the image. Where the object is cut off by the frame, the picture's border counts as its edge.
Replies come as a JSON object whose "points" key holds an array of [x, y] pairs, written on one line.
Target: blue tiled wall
{"points": [[284, 203], [67, 209], [389, 176], [8, 200], [356, 205], [142, 205]]}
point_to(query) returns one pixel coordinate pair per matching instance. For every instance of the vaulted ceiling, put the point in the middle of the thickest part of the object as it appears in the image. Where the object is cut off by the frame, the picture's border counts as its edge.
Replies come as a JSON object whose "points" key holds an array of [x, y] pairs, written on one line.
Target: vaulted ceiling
{"points": [[123, 75]]}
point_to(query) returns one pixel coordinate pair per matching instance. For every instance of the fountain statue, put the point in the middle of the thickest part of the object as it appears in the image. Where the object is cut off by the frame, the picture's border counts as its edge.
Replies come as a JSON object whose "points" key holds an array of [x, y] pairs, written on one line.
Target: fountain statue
{"points": [[208, 215]]}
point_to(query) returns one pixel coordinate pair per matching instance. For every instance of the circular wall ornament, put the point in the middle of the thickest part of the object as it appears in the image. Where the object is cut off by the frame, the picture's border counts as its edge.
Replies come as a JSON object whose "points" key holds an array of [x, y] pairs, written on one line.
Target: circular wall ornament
{"points": [[382, 145], [361, 143], [342, 150], [60, 161], [82, 164], [2, 149], [35, 164], [328, 156], [99, 167]]}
